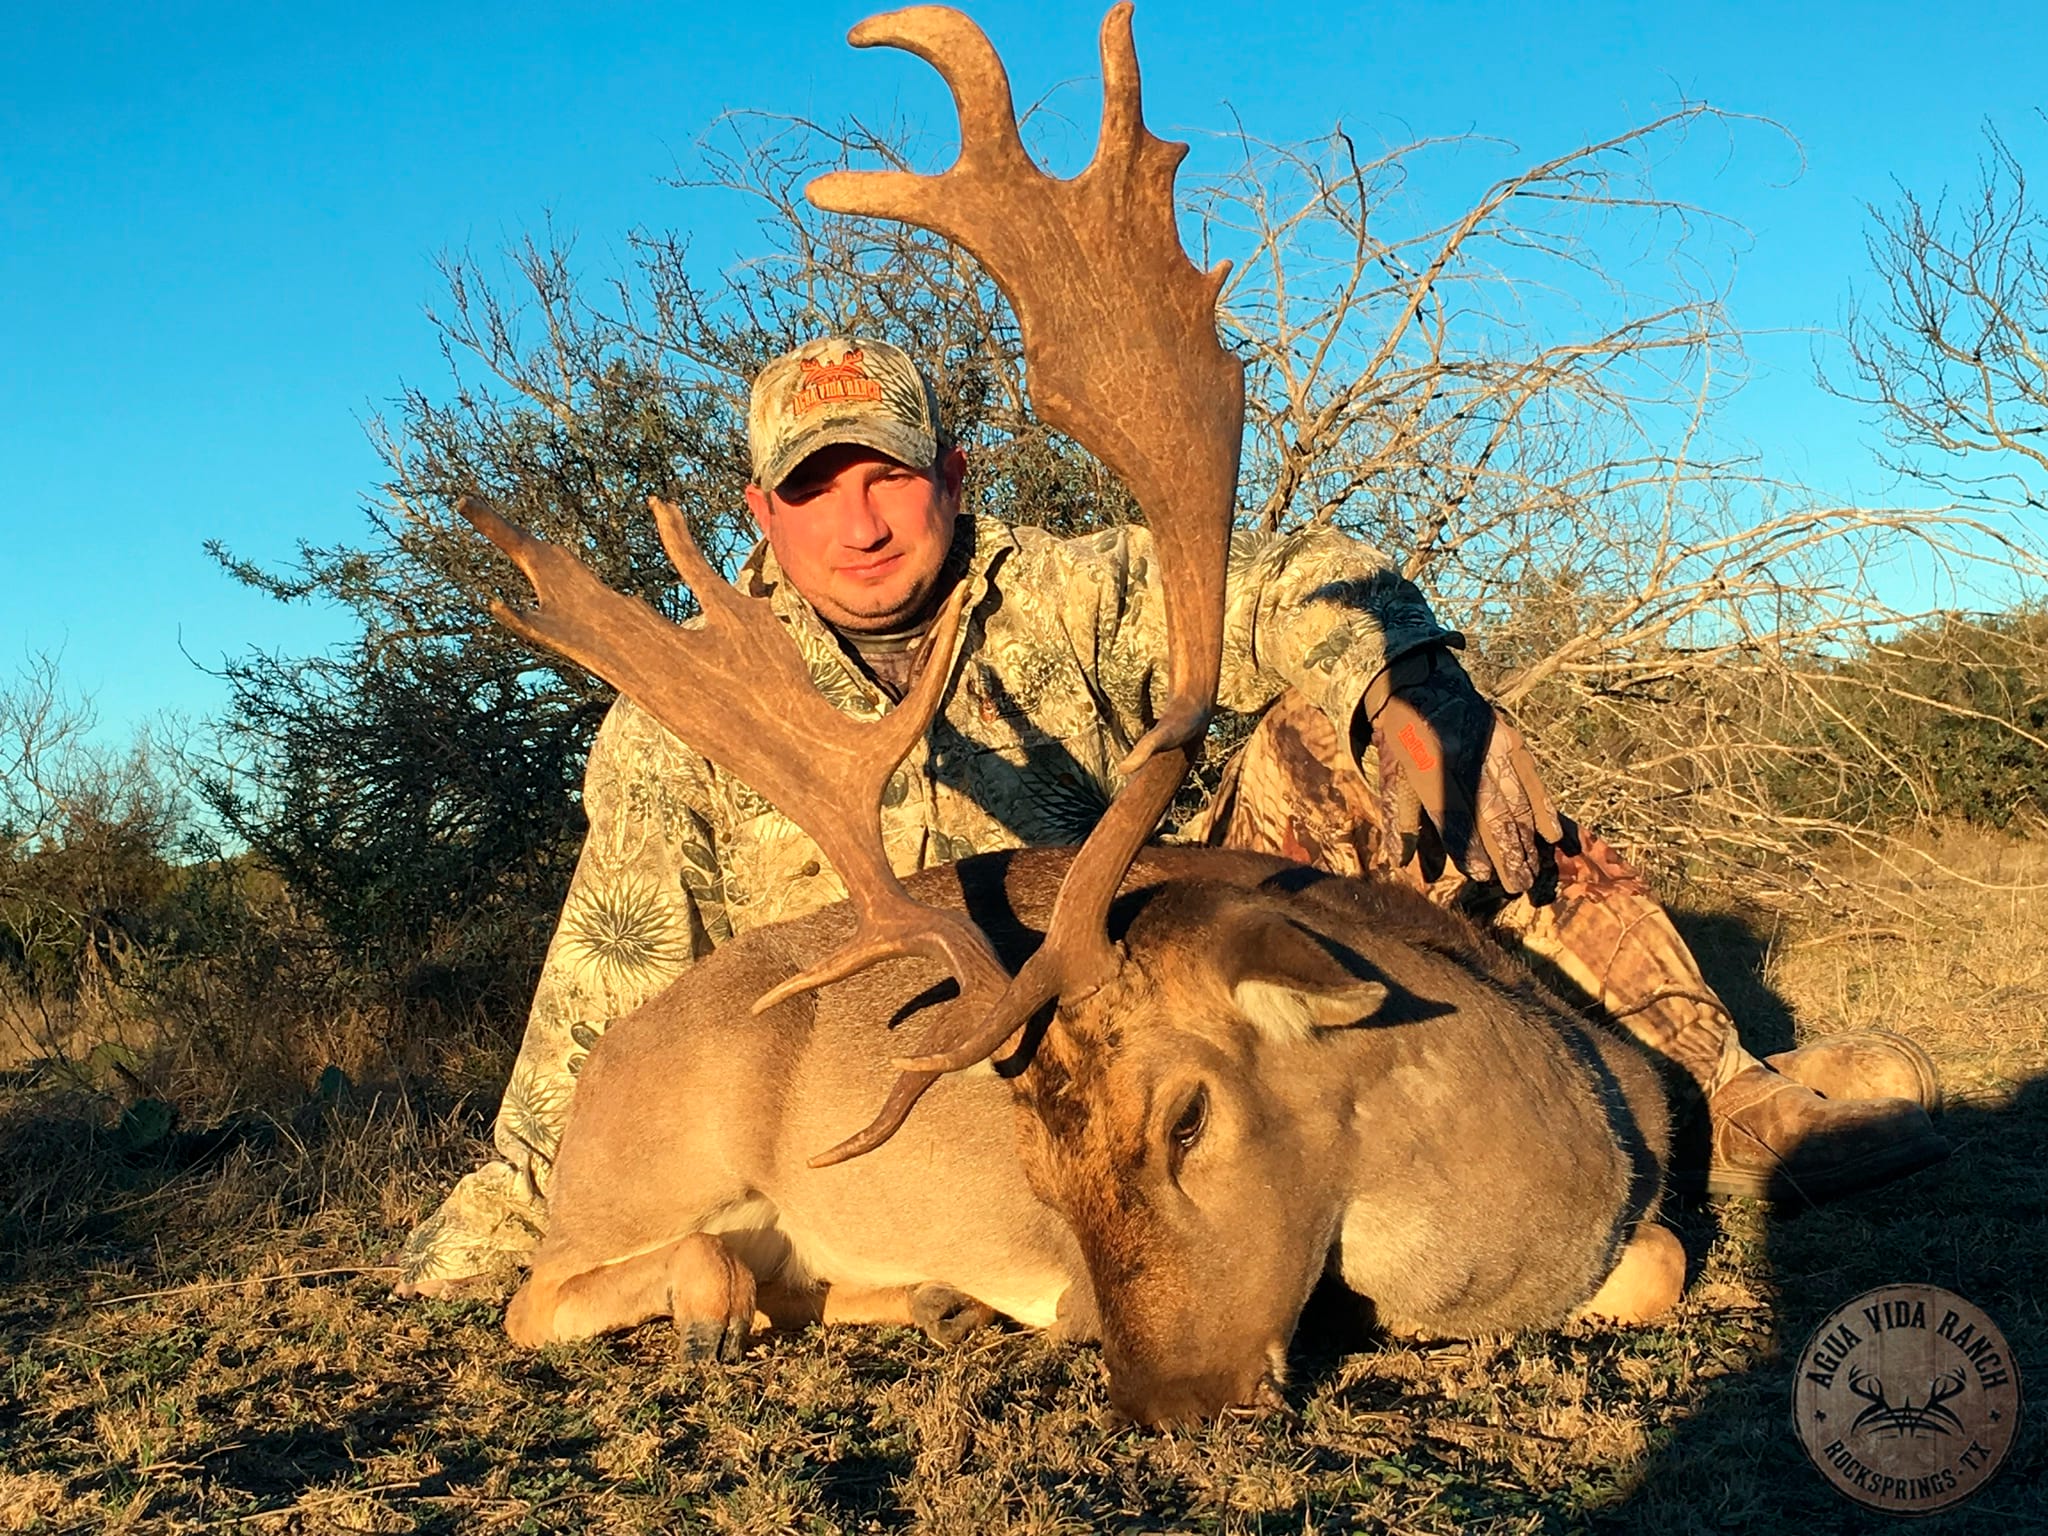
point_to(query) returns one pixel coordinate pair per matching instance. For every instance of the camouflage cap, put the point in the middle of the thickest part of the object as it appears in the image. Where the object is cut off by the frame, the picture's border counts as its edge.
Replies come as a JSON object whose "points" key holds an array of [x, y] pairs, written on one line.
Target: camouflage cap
{"points": [[840, 389]]}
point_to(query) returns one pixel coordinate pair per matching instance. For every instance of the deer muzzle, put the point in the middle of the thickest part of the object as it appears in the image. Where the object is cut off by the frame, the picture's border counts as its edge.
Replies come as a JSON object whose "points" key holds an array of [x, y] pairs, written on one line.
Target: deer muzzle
{"points": [[1168, 1392]]}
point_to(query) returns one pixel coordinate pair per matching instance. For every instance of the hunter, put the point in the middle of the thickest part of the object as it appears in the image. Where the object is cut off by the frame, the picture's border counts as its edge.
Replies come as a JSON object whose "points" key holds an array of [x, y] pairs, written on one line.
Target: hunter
{"points": [[1375, 754]]}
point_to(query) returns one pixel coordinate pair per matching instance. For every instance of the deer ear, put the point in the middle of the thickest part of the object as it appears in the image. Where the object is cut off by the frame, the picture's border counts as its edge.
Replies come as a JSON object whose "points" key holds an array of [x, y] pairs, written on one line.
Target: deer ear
{"points": [[1294, 1012], [1285, 981]]}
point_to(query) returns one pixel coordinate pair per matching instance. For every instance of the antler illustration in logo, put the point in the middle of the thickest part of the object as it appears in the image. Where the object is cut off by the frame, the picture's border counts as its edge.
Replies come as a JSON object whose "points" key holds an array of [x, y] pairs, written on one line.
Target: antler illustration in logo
{"points": [[825, 383], [1930, 1417]]}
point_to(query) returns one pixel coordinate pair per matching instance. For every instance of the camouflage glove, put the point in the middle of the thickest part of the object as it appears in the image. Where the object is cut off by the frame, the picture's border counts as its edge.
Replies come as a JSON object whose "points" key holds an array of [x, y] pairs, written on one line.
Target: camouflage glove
{"points": [[1455, 778]]}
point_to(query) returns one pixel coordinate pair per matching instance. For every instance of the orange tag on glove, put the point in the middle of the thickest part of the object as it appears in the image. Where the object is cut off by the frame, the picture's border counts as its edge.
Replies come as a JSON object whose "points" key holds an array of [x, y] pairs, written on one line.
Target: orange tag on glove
{"points": [[1416, 745]]}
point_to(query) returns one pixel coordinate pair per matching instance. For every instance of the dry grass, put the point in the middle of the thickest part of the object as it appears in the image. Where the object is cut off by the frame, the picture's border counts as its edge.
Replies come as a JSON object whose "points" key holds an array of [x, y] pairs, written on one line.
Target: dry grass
{"points": [[230, 1400]]}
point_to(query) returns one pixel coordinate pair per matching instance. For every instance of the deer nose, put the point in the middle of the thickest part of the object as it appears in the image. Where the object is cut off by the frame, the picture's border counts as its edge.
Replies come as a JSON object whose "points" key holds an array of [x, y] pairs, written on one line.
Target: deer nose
{"points": [[1191, 1397], [1175, 1401]]}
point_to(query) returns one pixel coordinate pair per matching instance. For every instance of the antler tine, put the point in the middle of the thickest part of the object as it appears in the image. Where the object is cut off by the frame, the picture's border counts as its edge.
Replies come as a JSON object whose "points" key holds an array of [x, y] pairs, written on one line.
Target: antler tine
{"points": [[973, 70], [895, 1110], [736, 689], [1076, 956], [1078, 915]]}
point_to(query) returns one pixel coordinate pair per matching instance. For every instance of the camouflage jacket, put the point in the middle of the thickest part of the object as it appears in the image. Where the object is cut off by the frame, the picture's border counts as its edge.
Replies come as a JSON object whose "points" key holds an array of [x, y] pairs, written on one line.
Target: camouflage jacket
{"points": [[1056, 671]]}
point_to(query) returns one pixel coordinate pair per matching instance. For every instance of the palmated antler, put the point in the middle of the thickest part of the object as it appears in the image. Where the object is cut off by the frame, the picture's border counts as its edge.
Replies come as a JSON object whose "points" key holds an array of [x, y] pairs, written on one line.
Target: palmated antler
{"points": [[1120, 347], [736, 688], [1119, 326]]}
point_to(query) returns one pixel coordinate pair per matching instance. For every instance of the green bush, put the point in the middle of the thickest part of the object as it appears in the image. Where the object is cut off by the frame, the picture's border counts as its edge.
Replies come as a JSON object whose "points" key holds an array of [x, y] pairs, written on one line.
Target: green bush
{"points": [[1951, 718]]}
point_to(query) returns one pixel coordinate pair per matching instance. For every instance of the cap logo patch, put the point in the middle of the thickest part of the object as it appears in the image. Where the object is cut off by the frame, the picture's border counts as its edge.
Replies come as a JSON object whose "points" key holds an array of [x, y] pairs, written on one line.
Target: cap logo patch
{"points": [[821, 383]]}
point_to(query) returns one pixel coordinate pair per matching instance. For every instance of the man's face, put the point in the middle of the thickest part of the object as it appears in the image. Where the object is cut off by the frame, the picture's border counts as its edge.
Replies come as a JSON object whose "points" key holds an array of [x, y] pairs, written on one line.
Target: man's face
{"points": [[860, 535]]}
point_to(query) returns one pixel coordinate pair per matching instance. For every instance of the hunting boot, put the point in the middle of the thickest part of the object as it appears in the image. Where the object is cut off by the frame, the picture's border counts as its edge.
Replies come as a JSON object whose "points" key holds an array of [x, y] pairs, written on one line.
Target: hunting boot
{"points": [[1775, 1139], [1877, 1088], [1742, 1128], [1871, 1064], [1846, 1113]]}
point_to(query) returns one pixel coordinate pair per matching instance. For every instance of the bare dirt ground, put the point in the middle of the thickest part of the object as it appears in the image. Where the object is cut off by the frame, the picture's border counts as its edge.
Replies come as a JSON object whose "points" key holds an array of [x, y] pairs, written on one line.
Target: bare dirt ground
{"points": [[156, 1376]]}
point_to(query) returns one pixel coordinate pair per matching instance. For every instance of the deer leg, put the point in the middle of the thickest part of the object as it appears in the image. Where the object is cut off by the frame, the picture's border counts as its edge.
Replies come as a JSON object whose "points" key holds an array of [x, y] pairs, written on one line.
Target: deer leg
{"points": [[1077, 1319], [788, 1308], [1645, 1284], [696, 1280], [530, 1319], [947, 1316], [711, 1298]]}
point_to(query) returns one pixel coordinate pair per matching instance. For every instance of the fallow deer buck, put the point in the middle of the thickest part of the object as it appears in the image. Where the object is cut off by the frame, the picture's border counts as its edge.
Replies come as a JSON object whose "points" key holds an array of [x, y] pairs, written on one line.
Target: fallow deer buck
{"points": [[1254, 1072]]}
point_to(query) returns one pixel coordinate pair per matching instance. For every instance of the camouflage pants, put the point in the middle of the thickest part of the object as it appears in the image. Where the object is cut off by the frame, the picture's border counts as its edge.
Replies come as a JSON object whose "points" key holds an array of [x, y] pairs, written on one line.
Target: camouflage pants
{"points": [[1604, 942]]}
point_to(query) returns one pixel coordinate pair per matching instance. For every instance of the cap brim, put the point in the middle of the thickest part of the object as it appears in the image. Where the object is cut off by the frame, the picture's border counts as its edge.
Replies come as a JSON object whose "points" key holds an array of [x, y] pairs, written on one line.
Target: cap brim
{"points": [[899, 441]]}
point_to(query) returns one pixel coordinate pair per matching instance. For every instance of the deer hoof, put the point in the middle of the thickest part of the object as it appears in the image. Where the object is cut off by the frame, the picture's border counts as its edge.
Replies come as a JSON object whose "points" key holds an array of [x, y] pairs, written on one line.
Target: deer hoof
{"points": [[529, 1321], [1266, 1402], [724, 1342], [1646, 1283], [1112, 1420], [947, 1316], [711, 1297]]}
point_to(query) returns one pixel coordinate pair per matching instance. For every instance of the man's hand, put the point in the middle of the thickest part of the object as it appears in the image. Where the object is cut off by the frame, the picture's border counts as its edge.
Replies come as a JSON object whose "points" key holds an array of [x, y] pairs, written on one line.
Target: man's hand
{"points": [[1456, 778]]}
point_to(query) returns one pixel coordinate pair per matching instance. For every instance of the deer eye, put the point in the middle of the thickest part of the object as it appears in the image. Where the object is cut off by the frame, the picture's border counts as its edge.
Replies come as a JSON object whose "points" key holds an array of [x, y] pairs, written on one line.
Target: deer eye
{"points": [[1190, 1123]]}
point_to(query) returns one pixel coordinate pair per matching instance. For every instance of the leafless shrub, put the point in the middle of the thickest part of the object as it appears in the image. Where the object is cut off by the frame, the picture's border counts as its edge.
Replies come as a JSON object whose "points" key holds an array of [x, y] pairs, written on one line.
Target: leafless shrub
{"points": [[87, 838], [1951, 346], [141, 962]]}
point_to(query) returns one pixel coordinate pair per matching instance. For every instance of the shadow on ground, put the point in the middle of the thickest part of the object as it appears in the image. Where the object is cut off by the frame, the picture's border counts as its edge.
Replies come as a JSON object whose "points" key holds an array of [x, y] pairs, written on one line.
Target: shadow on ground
{"points": [[1975, 1225]]}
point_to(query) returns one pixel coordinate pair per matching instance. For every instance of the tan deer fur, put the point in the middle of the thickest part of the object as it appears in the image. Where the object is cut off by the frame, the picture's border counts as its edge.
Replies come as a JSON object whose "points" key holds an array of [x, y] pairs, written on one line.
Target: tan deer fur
{"points": [[1384, 1096]]}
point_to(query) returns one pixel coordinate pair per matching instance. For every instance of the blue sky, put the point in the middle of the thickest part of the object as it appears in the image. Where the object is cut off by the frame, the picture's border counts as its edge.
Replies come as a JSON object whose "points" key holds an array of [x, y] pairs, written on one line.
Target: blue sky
{"points": [[218, 222]]}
